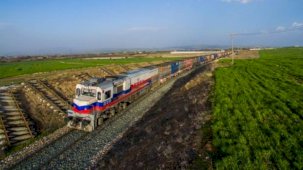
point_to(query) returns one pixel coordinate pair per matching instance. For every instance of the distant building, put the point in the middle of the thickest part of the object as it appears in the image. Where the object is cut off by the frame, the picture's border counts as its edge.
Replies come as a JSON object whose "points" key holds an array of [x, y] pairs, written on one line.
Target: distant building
{"points": [[255, 49], [195, 52]]}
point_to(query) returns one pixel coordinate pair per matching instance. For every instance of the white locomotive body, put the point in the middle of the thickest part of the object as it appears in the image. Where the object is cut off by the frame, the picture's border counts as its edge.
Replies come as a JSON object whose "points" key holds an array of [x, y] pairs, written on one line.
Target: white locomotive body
{"points": [[100, 98]]}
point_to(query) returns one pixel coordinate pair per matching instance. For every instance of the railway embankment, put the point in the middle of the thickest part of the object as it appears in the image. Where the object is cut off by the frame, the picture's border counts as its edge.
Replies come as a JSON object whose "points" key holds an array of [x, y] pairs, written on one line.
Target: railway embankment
{"points": [[173, 133], [88, 149]]}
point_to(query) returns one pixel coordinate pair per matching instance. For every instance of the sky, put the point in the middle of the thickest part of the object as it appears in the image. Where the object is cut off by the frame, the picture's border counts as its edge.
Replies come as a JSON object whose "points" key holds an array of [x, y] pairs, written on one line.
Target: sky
{"points": [[71, 26]]}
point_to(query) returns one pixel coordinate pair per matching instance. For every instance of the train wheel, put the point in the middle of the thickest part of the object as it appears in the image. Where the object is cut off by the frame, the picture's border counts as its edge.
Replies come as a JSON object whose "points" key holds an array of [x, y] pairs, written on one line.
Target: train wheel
{"points": [[112, 112], [124, 105], [99, 121]]}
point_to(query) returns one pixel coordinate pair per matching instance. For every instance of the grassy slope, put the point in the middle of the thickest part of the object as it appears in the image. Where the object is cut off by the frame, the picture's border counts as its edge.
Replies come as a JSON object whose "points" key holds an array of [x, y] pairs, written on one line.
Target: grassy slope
{"points": [[258, 112], [29, 67]]}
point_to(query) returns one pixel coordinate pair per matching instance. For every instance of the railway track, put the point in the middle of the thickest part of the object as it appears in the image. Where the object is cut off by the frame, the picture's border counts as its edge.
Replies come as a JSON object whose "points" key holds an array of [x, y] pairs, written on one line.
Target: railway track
{"points": [[73, 146], [4, 140], [79, 150], [46, 154], [107, 71], [124, 67], [58, 148], [15, 126], [59, 94], [138, 65], [83, 76], [57, 103]]}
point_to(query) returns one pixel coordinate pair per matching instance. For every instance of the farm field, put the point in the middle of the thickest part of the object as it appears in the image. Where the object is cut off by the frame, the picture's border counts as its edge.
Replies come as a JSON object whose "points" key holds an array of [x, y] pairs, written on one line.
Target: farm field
{"points": [[258, 112], [28, 67]]}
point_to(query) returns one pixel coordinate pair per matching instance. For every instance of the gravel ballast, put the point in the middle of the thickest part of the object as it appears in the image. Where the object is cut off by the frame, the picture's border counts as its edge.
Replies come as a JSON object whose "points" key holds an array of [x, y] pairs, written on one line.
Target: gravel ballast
{"points": [[87, 151], [37, 146], [80, 150]]}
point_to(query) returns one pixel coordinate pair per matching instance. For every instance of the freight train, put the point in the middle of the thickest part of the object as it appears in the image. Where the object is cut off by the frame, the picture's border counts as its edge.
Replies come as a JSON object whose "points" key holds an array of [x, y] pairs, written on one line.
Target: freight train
{"points": [[99, 99]]}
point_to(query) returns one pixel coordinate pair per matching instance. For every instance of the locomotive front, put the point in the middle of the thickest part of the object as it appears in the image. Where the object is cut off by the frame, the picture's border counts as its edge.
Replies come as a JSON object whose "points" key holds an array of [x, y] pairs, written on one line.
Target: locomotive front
{"points": [[85, 104]]}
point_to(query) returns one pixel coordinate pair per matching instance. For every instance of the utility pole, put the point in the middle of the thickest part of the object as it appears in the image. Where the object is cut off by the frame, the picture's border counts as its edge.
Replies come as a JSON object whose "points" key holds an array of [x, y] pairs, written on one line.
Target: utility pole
{"points": [[232, 48]]}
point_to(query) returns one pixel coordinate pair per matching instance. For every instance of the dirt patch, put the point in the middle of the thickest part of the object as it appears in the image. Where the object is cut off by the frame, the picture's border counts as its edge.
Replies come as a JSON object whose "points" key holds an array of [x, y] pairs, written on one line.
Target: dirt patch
{"points": [[170, 135], [246, 54]]}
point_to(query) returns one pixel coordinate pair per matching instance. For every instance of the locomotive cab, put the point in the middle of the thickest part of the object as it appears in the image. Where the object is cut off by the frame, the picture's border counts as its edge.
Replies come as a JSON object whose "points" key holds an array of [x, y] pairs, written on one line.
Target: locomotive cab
{"points": [[93, 98]]}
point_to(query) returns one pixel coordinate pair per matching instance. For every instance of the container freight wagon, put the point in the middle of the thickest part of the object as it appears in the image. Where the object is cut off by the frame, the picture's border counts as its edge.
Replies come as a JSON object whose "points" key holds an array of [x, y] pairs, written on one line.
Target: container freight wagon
{"points": [[220, 55], [195, 61], [212, 57], [174, 67], [201, 59], [164, 71], [208, 58], [188, 64], [181, 66]]}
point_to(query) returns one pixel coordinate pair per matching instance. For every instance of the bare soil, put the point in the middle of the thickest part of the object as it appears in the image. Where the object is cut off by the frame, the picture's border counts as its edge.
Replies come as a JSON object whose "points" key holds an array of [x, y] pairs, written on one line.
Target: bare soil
{"points": [[247, 54], [173, 134]]}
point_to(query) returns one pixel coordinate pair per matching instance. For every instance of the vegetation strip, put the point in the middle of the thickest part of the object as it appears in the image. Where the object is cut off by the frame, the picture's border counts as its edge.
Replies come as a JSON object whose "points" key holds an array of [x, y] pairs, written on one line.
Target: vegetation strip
{"points": [[28, 67], [258, 112]]}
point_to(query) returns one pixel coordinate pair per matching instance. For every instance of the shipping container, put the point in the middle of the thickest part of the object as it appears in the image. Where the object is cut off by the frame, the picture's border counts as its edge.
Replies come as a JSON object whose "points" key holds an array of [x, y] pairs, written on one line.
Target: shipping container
{"points": [[181, 65], [174, 67], [220, 55], [201, 59], [164, 71], [195, 61], [188, 64], [208, 58], [212, 57]]}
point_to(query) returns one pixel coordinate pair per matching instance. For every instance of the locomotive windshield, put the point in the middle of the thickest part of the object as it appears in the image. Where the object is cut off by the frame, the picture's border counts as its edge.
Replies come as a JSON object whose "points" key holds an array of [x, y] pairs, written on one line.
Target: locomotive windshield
{"points": [[89, 92]]}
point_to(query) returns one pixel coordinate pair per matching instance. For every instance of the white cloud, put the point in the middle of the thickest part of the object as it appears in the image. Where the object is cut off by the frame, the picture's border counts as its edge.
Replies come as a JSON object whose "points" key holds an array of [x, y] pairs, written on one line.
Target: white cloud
{"points": [[297, 24], [240, 1], [144, 29], [280, 28]]}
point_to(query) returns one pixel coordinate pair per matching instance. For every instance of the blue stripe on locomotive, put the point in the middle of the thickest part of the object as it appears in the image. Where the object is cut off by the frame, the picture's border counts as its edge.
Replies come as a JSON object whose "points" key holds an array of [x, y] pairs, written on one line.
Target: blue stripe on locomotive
{"points": [[174, 67]]}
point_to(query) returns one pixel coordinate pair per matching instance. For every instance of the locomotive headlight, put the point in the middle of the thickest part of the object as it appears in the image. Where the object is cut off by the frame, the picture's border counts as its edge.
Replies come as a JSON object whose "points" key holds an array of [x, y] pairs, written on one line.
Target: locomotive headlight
{"points": [[70, 113]]}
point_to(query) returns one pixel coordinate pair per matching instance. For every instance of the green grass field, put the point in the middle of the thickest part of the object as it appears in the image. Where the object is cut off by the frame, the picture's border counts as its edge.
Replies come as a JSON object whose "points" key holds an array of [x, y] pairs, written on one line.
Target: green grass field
{"points": [[258, 112], [29, 67]]}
